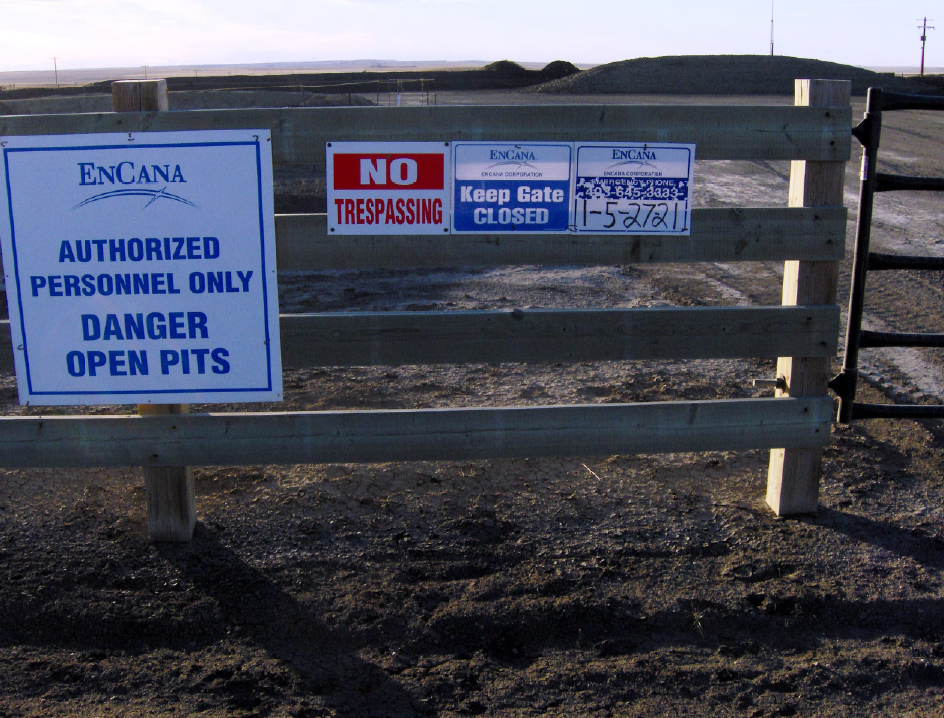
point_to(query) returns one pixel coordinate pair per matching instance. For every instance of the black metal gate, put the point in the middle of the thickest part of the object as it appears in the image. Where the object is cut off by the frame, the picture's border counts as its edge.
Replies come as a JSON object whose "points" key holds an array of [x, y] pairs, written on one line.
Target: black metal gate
{"points": [[868, 132]]}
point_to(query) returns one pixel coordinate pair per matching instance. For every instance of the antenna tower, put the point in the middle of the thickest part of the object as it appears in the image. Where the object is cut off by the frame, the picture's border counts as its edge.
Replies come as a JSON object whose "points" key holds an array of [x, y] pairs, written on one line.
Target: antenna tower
{"points": [[771, 28]]}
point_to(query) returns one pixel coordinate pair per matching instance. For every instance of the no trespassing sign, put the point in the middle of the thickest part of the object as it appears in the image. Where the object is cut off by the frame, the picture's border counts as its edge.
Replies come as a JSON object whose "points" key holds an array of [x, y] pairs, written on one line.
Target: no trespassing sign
{"points": [[388, 187]]}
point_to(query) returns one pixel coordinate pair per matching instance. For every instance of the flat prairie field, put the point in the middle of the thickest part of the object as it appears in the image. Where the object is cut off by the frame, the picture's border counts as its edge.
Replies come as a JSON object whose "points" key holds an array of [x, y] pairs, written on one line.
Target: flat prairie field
{"points": [[652, 585]]}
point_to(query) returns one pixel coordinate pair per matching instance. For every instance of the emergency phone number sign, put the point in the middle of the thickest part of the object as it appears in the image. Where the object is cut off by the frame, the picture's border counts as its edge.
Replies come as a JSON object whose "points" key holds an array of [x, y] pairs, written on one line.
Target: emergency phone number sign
{"points": [[640, 188], [140, 268], [508, 187]]}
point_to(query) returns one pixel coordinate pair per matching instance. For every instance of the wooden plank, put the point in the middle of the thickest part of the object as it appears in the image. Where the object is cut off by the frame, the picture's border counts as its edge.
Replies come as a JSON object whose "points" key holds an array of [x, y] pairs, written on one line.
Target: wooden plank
{"points": [[168, 490], [541, 335], [718, 235], [793, 474], [299, 134], [746, 234], [413, 435], [535, 335]]}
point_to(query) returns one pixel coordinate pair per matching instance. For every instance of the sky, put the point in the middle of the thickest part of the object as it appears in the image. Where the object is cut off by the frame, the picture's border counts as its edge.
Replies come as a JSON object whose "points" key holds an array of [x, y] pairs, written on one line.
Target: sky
{"points": [[128, 33]]}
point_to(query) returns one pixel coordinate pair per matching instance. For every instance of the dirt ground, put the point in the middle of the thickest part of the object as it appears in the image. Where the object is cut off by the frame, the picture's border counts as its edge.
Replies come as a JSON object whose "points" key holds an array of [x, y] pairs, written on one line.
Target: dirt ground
{"points": [[580, 586]]}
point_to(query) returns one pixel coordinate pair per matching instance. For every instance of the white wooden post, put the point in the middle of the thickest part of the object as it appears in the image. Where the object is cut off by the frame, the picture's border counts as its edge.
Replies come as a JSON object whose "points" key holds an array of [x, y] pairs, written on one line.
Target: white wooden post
{"points": [[793, 474], [171, 501]]}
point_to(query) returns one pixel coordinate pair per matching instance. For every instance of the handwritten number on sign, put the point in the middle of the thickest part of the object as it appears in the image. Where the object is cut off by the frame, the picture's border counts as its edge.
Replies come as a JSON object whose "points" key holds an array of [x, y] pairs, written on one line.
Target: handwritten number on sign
{"points": [[610, 215], [634, 216]]}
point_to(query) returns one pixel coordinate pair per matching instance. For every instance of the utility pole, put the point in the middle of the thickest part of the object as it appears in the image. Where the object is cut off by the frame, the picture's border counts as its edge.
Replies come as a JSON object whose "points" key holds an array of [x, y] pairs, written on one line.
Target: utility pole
{"points": [[55, 66], [771, 28], [924, 27]]}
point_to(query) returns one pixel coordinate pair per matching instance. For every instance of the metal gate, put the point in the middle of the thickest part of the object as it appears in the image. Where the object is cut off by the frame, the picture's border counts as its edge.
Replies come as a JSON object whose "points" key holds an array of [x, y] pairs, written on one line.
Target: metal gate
{"points": [[868, 133]]}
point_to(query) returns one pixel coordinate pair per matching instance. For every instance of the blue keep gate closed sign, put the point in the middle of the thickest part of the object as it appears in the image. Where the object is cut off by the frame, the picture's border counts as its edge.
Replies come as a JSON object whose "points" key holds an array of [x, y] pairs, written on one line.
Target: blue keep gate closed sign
{"points": [[511, 187]]}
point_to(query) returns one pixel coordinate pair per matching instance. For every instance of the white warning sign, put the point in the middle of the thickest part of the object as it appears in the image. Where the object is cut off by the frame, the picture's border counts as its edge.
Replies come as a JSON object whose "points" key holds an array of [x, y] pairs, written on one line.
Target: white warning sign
{"points": [[634, 188], [140, 268], [388, 187]]}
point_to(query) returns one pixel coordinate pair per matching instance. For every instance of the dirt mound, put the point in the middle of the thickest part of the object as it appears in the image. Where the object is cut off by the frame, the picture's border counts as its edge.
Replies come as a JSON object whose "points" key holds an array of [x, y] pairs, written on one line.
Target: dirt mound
{"points": [[506, 67], [558, 69], [552, 71], [722, 75]]}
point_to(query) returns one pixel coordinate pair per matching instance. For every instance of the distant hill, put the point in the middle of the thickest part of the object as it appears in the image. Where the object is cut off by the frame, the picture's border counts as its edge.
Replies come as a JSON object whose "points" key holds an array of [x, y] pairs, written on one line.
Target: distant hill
{"points": [[501, 75], [725, 75]]}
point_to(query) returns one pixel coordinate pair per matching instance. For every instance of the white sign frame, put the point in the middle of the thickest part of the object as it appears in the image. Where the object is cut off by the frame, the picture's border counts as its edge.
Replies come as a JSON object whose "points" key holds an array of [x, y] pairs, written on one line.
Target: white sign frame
{"points": [[88, 281], [352, 209], [519, 179], [646, 209]]}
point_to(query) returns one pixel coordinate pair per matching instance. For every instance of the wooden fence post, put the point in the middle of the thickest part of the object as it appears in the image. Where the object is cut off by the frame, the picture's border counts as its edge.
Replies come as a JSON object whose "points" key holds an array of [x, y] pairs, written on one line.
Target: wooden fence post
{"points": [[793, 474], [169, 491], [171, 502], [139, 96]]}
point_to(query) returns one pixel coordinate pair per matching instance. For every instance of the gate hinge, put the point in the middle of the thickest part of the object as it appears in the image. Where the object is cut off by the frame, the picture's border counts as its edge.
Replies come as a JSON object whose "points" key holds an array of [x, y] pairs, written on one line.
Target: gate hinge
{"points": [[842, 382], [868, 131]]}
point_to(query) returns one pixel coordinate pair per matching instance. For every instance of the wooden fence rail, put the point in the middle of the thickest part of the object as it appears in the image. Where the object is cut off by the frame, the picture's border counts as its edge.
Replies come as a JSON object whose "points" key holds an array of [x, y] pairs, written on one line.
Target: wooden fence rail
{"points": [[746, 234], [414, 435], [542, 335], [299, 134], [810, 238]]}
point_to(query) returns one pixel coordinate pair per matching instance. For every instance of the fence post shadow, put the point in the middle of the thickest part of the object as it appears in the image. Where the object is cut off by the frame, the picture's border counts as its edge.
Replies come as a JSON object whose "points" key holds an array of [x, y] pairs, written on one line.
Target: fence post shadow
{"points": [[925, 549], [323, 659]]}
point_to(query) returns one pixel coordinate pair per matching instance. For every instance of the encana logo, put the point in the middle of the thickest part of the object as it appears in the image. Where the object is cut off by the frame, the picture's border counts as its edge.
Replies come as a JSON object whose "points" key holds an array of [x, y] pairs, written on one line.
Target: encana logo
{"points": [[633, 156], [133, 178], [512, 158], [125, 173]]}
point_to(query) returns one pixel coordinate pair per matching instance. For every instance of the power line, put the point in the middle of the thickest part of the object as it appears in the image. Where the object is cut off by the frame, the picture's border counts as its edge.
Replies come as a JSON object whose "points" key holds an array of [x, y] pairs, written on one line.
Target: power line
{"points": [[924, 27]]}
